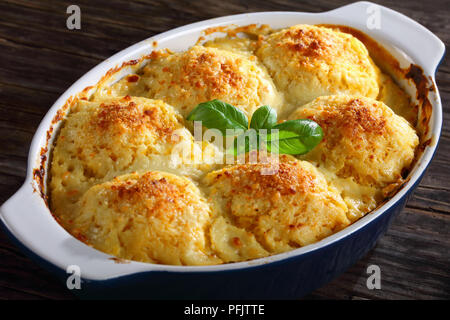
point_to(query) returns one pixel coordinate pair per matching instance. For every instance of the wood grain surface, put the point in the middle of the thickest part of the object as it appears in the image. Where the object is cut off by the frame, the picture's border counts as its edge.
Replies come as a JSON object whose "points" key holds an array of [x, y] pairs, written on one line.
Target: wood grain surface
{"points": [[40, 58]]}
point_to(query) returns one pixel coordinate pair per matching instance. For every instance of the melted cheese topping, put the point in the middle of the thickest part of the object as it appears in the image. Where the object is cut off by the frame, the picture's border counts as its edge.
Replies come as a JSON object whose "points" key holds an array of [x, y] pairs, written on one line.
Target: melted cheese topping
{"points": [[153, 217], [202, 74], [293, 207], [122, 181], [366, 146], [307, 62]]}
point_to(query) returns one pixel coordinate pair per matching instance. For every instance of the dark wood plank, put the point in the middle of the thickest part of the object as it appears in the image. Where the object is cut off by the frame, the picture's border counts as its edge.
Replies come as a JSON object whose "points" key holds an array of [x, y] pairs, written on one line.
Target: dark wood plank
{"points": [[56, 74], [40, 58], [99, 41]]}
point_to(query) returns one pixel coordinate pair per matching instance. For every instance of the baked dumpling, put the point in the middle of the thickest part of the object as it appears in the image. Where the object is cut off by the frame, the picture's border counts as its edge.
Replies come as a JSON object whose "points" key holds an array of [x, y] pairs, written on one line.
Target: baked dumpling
{"points": [[364, 141], [308, 61], [152, 217], [202, 74], [284, 209]]}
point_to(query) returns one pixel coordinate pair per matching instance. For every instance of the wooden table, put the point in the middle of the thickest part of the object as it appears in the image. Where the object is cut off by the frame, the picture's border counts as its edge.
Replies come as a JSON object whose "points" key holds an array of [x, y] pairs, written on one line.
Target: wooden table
{"points": [[40, 58]]}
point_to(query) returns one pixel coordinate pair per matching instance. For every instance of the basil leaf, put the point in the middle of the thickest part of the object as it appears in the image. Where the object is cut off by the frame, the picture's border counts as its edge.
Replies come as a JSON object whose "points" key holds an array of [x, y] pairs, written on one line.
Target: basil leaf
{"points": [[219, 115], [287, 143], [263, 118], [295, 136], [245, 142]]}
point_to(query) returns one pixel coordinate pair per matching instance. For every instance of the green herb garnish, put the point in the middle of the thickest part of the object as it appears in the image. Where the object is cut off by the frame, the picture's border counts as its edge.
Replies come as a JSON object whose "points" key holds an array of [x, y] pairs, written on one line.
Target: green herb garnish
{"points": [[216, 114], [291, 137]]}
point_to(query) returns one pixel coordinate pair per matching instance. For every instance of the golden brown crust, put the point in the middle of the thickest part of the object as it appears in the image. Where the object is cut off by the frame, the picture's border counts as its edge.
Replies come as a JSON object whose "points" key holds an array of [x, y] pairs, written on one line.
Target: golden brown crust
{"points": [[365, 146], [152, 217], [309, 61], [288, 181], [352, 120], [309, 43], [202, 74], [208, 70], [126, 115], [363, 138], [292, 207]]}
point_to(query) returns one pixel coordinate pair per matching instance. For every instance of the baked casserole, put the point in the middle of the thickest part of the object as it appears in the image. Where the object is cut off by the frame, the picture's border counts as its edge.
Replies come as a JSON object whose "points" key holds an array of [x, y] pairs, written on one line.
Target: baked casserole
{"points": [[120, 183]]}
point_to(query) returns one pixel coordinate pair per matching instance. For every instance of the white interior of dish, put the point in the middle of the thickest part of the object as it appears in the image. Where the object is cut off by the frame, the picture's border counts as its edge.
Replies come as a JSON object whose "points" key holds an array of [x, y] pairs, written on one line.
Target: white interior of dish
{"points": [[30, 221]]}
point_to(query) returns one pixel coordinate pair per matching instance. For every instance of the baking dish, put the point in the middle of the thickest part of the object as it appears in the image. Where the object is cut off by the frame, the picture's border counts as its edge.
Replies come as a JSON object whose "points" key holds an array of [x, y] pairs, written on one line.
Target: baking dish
{"points": [[27, 219]]}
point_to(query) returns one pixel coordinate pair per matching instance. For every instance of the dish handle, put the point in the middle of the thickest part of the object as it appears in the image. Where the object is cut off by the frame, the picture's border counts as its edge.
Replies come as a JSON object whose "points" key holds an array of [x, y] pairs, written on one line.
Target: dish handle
{"points": [[22, 214], [419, 43]]}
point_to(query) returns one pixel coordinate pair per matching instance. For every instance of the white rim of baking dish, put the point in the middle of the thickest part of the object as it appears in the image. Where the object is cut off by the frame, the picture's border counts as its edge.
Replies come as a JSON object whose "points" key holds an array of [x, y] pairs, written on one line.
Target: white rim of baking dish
{"points": [[28, 219]]}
